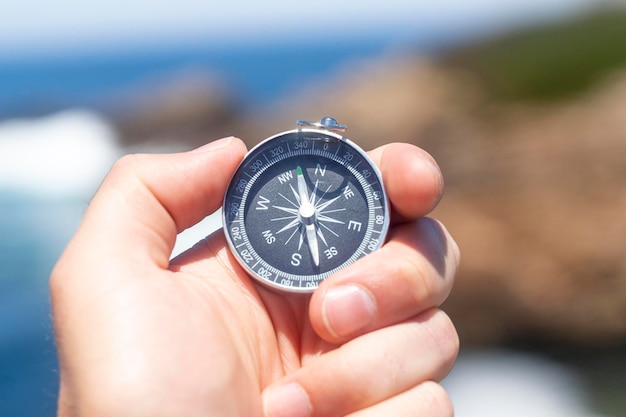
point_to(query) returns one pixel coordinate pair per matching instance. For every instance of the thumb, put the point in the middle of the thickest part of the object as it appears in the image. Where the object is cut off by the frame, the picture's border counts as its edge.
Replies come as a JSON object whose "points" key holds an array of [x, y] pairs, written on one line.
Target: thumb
{"points": [[145, 200]]}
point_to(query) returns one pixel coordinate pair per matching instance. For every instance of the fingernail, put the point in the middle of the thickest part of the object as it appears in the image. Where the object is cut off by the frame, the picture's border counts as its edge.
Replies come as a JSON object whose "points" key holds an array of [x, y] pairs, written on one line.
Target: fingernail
{"points": [[215, 145], [348, 309], [289, 400]]}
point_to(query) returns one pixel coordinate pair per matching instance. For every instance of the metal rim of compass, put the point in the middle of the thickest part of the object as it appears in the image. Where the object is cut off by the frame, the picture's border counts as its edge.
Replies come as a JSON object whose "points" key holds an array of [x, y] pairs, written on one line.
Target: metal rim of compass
{"points": [[331, 128]]}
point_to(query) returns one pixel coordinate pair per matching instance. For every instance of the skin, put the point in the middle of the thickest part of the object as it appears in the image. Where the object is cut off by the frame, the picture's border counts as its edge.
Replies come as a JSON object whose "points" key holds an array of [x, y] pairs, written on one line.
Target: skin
{"points": [[140, 335]]}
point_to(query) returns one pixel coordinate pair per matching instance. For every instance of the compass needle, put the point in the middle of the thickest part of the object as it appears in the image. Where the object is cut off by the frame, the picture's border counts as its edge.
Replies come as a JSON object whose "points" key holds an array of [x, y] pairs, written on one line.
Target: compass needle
{"points": [[311, 238], [292, 233], [307, 216], [302, 190]]}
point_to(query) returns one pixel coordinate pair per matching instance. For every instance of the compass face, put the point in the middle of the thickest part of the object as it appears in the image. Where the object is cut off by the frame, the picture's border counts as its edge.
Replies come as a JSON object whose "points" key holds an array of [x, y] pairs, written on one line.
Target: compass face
{"points": [[302, 205]]}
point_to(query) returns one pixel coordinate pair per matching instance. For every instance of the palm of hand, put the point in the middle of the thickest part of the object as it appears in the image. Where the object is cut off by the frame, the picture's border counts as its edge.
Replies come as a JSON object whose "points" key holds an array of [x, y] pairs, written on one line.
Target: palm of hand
{"points": [[248, 334]]}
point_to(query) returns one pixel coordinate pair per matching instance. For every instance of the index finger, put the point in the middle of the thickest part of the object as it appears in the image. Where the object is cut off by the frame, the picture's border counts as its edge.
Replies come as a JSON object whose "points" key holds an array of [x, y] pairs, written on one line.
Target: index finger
{"points": [[142, 204]]}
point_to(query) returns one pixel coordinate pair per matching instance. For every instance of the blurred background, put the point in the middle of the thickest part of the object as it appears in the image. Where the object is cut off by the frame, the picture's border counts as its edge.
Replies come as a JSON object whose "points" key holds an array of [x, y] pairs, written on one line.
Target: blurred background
{"points": [[523, 104]]}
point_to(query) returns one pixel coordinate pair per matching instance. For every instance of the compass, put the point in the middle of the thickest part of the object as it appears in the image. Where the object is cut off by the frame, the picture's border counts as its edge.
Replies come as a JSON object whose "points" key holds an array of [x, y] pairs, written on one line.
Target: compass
{"points": [[304, 204]]}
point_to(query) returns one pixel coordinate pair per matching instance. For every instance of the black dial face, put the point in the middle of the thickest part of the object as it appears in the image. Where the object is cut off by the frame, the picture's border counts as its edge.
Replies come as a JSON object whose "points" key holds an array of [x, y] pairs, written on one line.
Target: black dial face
{"points": [[303, 205]]}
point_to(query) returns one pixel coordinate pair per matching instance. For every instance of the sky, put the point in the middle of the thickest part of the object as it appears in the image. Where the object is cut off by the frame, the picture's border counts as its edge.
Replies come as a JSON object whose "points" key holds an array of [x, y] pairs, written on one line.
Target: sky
{"points": [[35, 25]]}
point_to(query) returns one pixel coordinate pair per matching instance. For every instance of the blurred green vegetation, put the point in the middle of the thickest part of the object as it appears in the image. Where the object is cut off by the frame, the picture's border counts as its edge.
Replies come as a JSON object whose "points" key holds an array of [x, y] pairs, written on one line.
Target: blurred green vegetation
{"points": [[551, 62]]}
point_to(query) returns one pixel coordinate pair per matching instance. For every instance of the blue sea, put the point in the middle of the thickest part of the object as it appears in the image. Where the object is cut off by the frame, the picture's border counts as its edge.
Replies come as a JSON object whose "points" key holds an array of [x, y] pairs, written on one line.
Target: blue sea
{"points": [[32, 234], [256, 73]]}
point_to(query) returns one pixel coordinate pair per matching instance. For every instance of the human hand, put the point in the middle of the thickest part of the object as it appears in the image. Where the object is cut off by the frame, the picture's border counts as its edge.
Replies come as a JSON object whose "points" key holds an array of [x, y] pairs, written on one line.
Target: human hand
{"points": [[140, 335]]}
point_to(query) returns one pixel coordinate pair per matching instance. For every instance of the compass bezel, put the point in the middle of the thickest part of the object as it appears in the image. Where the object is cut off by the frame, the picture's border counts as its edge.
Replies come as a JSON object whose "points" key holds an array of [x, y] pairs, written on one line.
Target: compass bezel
{"points": [[279, 279]]}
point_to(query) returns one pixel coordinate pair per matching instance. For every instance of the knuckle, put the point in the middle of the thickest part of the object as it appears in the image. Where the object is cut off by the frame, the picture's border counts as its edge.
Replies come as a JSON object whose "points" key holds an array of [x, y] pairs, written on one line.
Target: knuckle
{"points": [[422, 288], [127, 164], [425, 261], [408, 268], [129, 173]]}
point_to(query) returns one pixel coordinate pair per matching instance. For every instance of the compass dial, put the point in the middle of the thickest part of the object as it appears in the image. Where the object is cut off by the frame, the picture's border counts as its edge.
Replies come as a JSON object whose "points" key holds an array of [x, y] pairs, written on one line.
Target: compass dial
{"points": [[302, 205]]}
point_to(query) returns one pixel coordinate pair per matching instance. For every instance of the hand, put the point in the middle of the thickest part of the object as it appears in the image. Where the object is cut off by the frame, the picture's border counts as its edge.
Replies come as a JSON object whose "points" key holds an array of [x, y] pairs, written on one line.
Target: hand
{"points": [[139, 335]]}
